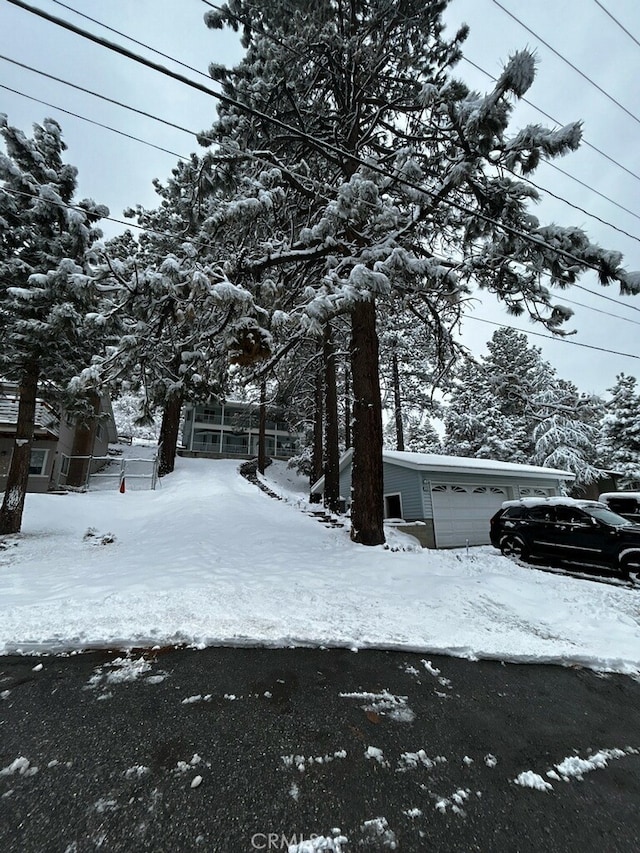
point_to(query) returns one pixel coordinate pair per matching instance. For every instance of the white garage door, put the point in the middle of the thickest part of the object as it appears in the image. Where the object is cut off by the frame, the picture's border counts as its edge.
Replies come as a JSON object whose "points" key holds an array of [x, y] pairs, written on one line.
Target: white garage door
{"points": [[461, 514]]}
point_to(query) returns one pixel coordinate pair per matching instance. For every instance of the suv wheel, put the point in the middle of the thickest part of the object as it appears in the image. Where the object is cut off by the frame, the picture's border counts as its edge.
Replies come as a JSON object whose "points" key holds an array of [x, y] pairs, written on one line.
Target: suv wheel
{"points": [[514, 546], [630, 567]]}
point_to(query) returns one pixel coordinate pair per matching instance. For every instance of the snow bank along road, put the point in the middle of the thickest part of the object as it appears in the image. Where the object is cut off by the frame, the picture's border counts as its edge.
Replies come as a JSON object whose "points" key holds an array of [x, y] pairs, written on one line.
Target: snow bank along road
{"points": [[208, 559], [238, 750]]}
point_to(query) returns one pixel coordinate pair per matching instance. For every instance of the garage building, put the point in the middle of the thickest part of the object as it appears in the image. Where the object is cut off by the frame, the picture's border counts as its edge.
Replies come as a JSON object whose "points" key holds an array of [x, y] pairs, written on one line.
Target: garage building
{"points": [[447, 501]]}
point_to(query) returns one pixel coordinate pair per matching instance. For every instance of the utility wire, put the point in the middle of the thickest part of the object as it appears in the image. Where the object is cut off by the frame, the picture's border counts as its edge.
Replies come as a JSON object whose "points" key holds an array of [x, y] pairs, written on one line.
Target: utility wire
{"points": [[560, 338], [568, 62], [194, 133], [600, 311], [257, 158], [194, 242], [557, 121], [616, 21], [297, 53], [574, 206], [92, 121], [78, 207], [191, 68], [95, 94], [602, 296], [591, 189], [133, 40], [520, 177], [320, 144]]}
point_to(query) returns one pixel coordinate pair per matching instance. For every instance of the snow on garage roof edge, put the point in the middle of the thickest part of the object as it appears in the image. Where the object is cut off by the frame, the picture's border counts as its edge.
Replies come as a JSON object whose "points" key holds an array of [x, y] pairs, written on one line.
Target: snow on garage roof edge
{"points": [[454, 464]]}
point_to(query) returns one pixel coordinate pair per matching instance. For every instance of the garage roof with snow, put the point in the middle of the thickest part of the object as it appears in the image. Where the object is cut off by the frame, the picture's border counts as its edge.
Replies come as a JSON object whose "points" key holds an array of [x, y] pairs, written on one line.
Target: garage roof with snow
{"points": [[455, 465]]}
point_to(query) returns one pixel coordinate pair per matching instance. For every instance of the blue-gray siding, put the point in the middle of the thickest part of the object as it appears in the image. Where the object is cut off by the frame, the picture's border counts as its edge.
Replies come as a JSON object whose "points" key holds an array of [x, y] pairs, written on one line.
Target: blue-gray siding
{"points": [[407, 483]]}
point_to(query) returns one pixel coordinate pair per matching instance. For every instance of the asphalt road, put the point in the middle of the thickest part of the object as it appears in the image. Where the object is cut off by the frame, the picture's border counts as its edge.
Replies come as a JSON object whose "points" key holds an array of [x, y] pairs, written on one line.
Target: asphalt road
{"points": [[238, 750]]}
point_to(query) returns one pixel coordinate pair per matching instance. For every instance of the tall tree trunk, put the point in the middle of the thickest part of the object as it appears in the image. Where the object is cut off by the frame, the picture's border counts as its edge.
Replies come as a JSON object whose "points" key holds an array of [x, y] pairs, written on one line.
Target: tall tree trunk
{"points": [[317, 460], [367, 510], [397, 403], [347, 409], [332, 454], [262, 428], [169, 434], [82, 448], [18, 476]]}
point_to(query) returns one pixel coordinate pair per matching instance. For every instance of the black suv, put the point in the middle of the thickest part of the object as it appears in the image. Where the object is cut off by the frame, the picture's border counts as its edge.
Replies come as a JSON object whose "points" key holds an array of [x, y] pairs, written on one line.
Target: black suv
{"points": [[583, 532]]}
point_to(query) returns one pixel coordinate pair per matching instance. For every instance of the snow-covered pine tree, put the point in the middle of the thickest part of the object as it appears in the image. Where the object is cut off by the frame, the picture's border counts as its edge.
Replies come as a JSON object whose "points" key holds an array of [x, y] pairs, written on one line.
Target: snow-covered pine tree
{"points": [[620, 434], [488, 411], [567, 431], [402, 177], [511, 405], [45, 290], [182, 319]]}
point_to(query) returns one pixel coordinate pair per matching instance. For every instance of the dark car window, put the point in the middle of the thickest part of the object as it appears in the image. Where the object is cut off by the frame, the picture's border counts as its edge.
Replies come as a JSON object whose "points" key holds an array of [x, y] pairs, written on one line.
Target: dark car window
{"points": [[628, 505], [572, 515], [541, 513], [606, 515], [514, 512]]}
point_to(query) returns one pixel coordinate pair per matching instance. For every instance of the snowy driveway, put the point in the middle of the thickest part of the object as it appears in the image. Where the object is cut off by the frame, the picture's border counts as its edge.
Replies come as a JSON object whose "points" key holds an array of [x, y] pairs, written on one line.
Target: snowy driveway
{"points": [[208, 559]]}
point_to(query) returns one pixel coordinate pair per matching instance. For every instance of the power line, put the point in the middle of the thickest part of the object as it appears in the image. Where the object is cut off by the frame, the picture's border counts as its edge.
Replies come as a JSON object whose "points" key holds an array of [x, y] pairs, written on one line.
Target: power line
{"points": [[194, 133], [297, 53], [131, 39], [94, 94], [548, 162], [575, 206], [592, 189], [520, 177], [322, 145], [585, 142], [558, 338], [207, 244], [92, 121], [194, 242], [600, 311], [300, 134], [615, 20], [542, 112], [78, 207], [568, 62]]}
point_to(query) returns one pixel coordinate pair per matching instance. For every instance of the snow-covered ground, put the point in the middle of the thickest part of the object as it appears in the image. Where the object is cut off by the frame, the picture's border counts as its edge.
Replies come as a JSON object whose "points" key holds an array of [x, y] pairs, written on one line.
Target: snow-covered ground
{"points": [[210, 559]]}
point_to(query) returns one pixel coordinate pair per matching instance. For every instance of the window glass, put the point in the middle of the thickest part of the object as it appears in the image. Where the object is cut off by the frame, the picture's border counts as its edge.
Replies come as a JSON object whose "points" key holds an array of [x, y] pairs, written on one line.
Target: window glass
{"points": [[36, 461], [393, 506], [570, 515], [515, 512], [623, 505], [541, 513], [607, 516]]}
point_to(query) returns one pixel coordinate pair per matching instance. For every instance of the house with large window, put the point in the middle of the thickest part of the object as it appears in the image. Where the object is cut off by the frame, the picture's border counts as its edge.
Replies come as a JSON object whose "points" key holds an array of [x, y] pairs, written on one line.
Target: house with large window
{"points": [[218, 429], [53, 439]]}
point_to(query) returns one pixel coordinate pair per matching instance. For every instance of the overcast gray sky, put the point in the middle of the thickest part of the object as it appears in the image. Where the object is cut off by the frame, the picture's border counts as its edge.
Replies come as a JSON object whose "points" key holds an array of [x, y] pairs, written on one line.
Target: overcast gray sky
{"points": [[118, 172]]}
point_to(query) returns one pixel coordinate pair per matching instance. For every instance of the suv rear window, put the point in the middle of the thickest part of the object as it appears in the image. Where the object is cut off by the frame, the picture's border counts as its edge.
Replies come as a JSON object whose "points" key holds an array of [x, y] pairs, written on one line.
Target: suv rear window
{"points": [[541, 513], [514, 512], [629, 505]]}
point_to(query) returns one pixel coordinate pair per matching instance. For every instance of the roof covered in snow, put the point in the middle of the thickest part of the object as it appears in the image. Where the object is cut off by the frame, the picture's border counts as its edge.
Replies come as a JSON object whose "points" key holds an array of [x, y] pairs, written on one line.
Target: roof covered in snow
{"points": [[631, 495], [45, 418], [436, 462], [431, 461]]}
